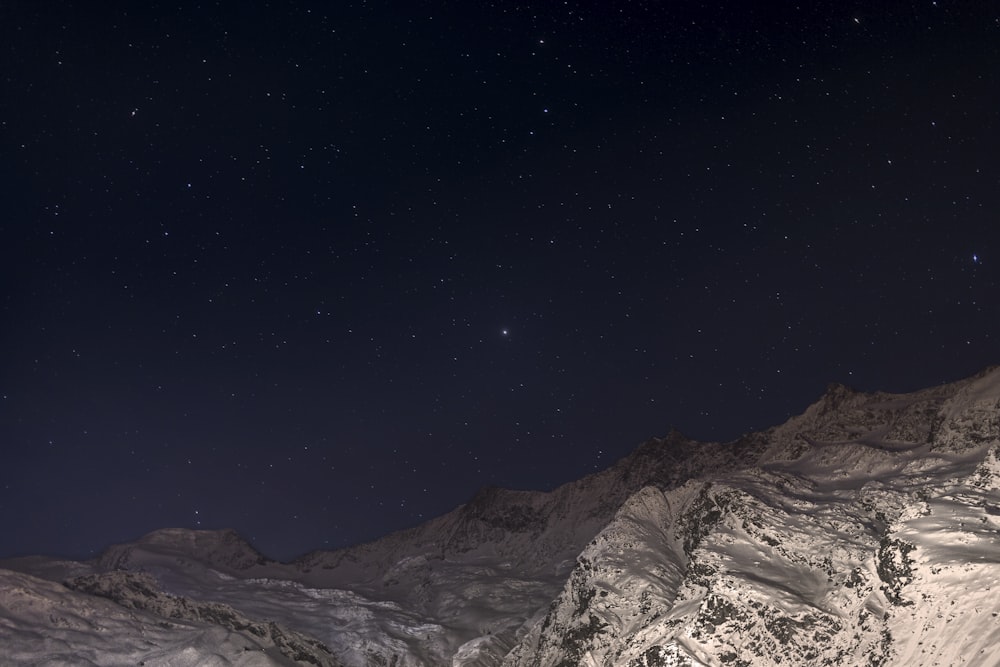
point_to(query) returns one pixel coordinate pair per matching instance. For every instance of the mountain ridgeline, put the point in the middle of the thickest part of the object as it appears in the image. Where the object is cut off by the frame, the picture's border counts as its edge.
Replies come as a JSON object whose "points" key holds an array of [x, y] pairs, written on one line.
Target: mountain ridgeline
{"points": [[865, 531]]}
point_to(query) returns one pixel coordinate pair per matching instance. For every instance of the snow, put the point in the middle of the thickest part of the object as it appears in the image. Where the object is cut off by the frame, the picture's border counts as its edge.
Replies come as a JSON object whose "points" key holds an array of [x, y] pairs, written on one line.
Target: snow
{"points": [[44, 623], [859, 530], [984, 388], [864, 531]]}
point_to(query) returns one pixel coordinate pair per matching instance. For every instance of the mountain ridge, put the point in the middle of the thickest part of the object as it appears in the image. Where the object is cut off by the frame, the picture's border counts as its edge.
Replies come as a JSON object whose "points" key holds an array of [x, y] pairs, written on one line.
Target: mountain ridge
{"points": [[839, 537]]}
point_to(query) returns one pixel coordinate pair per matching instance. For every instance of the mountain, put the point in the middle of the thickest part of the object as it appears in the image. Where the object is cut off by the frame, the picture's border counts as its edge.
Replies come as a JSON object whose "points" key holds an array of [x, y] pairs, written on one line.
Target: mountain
{"points": [[865, 531]]}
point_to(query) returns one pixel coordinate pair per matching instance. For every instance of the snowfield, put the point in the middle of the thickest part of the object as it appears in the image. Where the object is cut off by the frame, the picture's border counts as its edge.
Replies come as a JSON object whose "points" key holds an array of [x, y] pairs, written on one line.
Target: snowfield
{"points": [[865, 531]]}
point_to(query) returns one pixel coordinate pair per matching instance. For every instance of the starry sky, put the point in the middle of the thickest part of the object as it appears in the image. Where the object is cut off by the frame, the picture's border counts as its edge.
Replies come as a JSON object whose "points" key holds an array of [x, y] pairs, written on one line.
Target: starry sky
{"points": [[320, 270]]}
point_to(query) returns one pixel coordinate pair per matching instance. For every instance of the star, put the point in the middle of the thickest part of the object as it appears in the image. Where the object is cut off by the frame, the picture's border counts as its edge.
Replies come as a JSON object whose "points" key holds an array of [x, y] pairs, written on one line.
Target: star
{"points": [[629, 236]]}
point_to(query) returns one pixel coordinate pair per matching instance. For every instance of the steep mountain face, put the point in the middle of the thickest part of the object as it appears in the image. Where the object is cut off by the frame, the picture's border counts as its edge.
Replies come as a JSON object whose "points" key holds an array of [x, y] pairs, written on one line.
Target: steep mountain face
{"points": [[863, 532], [485, 570], [533, 532], [868, 533]]}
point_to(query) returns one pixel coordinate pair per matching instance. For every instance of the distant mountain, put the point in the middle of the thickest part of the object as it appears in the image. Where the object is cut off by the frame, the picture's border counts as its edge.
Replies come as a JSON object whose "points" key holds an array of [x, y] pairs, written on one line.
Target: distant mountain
{"points": [[865, 531], [222, 550]]}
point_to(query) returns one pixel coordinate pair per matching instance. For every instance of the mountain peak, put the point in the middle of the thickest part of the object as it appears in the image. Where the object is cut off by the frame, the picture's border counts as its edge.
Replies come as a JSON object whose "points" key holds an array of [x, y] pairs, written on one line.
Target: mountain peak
{"points": [[221, 549], [196, 537], [839, 537]]}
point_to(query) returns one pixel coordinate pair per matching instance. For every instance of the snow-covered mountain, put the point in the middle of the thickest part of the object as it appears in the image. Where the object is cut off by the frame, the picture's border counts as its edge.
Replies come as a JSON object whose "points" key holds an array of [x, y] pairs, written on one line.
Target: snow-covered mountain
{"points": [[865, 531]]}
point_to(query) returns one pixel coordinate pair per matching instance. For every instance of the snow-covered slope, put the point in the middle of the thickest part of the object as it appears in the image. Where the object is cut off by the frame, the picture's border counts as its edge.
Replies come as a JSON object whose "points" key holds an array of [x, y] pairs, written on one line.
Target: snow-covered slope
{"points": [[865, 531], [122, 619], [868, 533]]}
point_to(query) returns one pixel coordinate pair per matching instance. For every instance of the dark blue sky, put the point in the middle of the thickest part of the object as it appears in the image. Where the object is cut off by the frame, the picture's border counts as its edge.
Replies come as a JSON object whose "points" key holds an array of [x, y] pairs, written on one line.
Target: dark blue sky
{"points": [[318, 271]]}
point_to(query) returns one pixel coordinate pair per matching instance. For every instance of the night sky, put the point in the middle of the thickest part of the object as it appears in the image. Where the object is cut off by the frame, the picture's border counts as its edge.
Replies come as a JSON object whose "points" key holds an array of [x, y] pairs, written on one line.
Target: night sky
{"points": [[319, 271]]}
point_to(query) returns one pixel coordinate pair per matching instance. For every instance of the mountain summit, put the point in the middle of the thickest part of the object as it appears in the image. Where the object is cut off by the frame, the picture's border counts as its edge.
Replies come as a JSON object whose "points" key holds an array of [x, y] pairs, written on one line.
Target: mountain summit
{"points": [[865, 531]]}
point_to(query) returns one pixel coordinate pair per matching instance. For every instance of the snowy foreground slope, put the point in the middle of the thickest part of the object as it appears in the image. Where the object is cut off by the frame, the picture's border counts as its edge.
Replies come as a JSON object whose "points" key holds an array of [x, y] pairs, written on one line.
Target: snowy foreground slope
{"points": [[864, 532]]}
